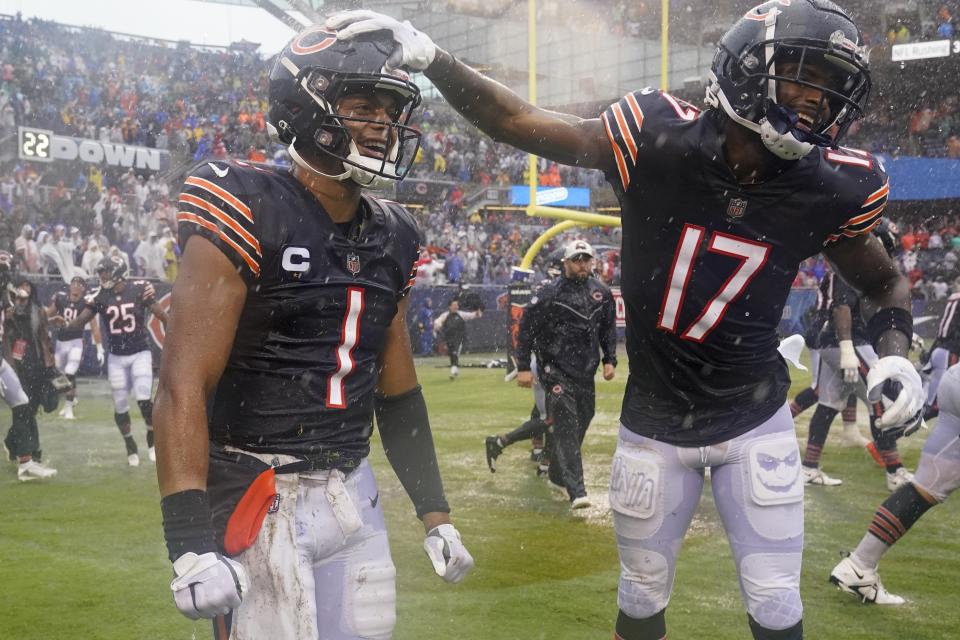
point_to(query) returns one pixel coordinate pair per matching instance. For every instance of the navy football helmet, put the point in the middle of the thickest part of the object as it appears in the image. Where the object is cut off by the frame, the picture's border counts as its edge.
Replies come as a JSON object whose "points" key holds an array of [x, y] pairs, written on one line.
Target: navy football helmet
{"points": [[751, 56], [111, 270], [311, 75]]}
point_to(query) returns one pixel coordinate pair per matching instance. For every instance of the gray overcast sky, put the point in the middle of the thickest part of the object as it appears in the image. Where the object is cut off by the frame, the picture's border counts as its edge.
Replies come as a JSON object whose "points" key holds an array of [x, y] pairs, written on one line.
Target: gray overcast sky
{"points": [[199, 22]]}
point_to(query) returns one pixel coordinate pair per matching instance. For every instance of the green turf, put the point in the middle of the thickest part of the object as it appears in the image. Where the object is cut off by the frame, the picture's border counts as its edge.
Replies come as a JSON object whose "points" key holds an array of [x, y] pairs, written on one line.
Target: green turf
{"points": [[83, 557]]}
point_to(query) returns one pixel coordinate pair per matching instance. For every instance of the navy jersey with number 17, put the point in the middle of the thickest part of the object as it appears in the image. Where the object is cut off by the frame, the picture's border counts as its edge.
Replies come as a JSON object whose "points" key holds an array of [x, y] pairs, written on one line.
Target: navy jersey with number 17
{"points": [[708, 263], [302, 371]]}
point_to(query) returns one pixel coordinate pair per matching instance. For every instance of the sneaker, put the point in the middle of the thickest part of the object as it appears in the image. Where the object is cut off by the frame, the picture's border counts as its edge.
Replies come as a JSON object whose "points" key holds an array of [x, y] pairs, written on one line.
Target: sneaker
{"points": [[852, 436], [583, 502], [133, 460], [818, 477], [152, 454], [898, 478], [862, 583], [494, 449], [32, 470]]}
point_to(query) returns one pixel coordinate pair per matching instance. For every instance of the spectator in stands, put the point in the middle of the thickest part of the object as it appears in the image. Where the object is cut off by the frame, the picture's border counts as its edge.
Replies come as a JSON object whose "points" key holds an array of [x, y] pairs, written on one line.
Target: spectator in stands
{"points": [[27, 251], [945, 23]]}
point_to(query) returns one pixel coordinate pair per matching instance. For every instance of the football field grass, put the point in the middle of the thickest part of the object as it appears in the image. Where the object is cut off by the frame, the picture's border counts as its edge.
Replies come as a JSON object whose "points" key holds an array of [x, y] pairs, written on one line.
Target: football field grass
{"points": [[82, 556]]}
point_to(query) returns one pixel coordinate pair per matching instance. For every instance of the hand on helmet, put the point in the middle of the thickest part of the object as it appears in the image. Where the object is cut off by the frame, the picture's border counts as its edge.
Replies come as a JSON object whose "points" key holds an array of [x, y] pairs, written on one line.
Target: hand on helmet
{"points": [[415, 50]]}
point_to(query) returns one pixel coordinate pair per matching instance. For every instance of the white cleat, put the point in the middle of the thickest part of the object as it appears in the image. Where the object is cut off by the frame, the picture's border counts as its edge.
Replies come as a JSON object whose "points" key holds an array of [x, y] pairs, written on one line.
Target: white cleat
{"points": [[898, 478], [818, 477], [583, 502], [863, 583], [32, 470], [454, 372], [152, 454], [133, 460], [852, 436]]}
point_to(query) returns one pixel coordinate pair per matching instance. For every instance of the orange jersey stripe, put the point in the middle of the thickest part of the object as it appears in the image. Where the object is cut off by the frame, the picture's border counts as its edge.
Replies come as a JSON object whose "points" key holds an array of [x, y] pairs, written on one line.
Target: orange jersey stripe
{"points": [[223, 217], [876, 195], [621, 162], [223, 194], [183, 216], [866, 216], [625, 132], [635, 110]]}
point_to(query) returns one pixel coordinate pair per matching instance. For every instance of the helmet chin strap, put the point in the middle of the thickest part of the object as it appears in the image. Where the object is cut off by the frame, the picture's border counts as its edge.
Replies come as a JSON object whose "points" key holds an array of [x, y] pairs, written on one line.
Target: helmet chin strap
{"points": [[364, 175], [782, 145]]}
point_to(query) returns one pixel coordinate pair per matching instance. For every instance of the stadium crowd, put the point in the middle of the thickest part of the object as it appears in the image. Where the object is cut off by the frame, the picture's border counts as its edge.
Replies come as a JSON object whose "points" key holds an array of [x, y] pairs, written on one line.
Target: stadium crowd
{"points": [[205, 103]]}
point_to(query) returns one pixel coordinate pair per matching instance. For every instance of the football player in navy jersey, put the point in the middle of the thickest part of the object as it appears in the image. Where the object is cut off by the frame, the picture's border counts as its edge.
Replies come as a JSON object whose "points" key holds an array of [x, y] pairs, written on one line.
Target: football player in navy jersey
{"points": [[719, 208], [123, 305], [68, 350], [287, 335]]}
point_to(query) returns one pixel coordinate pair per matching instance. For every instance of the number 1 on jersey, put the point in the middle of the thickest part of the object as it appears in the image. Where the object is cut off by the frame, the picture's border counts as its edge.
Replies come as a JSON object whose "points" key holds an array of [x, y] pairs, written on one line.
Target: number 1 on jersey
{"points": [[349, 336], [752, 256]]}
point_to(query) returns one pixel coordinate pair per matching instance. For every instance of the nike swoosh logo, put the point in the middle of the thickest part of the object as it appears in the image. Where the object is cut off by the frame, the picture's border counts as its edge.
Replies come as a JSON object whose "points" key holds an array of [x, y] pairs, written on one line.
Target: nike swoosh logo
{"points": [[374, 500], [221, 173]]}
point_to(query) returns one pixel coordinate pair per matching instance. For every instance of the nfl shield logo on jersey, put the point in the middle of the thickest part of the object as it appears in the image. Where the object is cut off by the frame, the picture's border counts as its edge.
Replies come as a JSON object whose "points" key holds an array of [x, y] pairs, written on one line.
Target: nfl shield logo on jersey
{"points": [[353, 263], [737, 207]]}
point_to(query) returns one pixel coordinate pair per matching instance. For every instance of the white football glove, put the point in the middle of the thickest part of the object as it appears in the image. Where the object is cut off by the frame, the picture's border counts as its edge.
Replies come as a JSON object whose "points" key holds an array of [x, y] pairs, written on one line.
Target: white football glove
{"points": [[208, 585], [415, 50], [899, 376], [849, 362], [450, 558], [101, 356]]}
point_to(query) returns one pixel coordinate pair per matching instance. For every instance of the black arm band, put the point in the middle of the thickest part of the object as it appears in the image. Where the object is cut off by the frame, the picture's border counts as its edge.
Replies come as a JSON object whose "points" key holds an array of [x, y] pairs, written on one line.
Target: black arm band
{"points": [[187, 525], [889, 318], [408, 443]]}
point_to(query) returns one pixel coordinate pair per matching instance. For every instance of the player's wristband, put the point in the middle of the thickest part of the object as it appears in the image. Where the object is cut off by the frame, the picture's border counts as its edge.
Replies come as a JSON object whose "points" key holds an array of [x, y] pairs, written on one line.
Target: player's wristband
{"points": [[408, 443], [890, 318], [187, 524]]}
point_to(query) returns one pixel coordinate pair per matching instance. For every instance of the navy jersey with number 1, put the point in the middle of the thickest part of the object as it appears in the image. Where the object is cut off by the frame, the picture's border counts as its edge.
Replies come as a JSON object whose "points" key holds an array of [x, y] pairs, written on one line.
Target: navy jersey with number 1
{"points": [[320, 298], [708, 264]]}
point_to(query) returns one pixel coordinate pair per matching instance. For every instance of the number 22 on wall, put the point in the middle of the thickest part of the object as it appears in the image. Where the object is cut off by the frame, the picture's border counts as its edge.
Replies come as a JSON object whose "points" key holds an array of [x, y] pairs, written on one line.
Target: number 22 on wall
{"points": [[752, 256]]}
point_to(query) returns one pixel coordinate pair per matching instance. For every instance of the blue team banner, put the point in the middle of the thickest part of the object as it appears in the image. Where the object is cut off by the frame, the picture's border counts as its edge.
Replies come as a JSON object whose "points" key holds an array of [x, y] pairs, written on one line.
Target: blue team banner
{"points": [[551, 196], [923, 178]]}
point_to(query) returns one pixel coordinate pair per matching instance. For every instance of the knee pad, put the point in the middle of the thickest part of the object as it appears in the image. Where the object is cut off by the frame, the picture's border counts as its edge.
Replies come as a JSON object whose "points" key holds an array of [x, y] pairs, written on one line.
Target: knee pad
{"points": [[771, 589], [939, 470], [122, 420], [370, 599], [146, 410]]}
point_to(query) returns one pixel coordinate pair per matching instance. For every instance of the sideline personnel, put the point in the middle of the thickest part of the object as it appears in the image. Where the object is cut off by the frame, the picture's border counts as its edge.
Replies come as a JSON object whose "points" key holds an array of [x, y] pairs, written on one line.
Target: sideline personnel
{"points": [[567, 325]]}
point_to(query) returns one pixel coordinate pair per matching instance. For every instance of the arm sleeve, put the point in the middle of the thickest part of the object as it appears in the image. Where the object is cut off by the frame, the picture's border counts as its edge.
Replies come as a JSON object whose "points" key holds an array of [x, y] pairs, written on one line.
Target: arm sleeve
{"points": [[866, 216], [212, 205], [843, 294], [408, 444], [608, 330], [526, 339]]}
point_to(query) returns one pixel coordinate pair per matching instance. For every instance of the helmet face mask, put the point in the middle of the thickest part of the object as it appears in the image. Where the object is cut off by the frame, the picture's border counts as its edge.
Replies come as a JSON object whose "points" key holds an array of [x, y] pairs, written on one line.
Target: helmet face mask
{"points": [[111, 271], [797, 46], [306, 90]]}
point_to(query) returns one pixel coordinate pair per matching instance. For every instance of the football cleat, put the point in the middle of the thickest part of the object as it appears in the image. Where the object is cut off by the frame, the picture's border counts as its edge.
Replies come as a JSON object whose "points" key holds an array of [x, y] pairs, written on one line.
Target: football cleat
{"points": [[494, 449], [582, 502], [133, 460], [152, 454], [454, 372], [898, 478], [863, 583], [67, 413], [33, 470], [818, 477]]}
